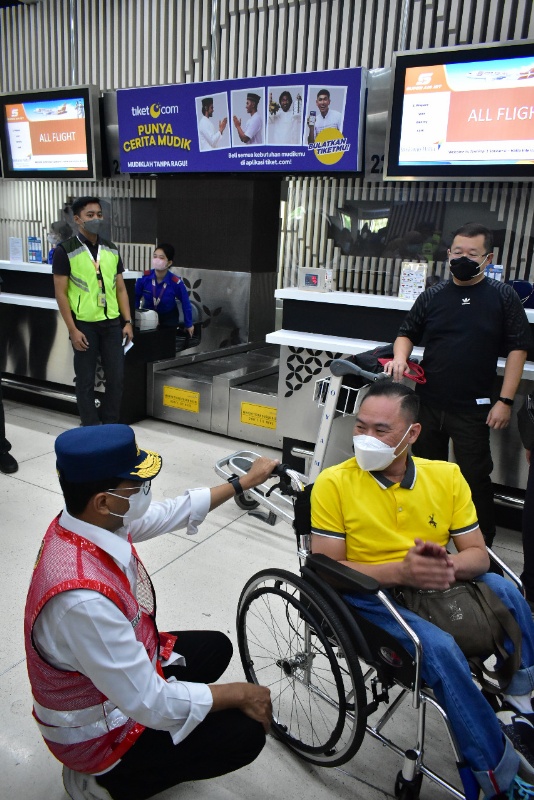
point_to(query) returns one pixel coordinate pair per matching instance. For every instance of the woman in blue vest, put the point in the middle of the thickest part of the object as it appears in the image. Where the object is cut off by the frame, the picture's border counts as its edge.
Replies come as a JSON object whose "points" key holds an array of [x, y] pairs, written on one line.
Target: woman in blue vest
{"points": [[159, 289]]}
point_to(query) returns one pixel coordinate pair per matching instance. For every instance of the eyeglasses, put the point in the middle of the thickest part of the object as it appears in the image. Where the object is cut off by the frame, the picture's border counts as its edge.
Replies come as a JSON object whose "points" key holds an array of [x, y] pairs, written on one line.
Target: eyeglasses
{"points": [[144, 488]]}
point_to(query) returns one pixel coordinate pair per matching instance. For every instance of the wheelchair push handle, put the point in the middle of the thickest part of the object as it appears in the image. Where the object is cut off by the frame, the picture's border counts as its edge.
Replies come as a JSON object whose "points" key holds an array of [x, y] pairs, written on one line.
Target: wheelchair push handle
{"points": [[245, 464], [290, 481], [280, 471], [340, 367]]}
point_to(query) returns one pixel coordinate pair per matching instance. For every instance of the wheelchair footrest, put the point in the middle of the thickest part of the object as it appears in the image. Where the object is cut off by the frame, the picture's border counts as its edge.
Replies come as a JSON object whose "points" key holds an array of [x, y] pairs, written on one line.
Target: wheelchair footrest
{"points": [[266, 516]]}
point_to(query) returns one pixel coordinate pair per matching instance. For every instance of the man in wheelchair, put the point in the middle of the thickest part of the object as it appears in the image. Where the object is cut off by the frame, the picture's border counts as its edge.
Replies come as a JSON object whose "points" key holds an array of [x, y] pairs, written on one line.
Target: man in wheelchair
{"points": [[391, 516]]}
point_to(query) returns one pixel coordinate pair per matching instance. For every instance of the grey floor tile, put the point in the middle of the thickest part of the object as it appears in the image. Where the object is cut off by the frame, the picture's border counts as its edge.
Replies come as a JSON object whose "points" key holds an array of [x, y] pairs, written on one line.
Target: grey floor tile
{"points": [[198, 581]]}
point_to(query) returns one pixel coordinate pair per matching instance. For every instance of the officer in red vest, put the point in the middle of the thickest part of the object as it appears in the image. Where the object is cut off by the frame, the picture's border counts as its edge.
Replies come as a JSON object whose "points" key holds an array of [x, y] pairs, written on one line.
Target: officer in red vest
{"points": [[125, 707]]}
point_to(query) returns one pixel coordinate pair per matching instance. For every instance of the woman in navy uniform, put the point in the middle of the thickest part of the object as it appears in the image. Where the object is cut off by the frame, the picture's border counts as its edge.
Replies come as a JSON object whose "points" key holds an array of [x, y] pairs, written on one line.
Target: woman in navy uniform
{"points": [[159, 289]]}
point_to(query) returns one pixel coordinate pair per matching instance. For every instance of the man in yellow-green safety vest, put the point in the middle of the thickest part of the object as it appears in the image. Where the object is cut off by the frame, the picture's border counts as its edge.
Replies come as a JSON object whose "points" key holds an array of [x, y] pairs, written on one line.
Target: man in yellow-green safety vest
{"points": [[92, 298]]}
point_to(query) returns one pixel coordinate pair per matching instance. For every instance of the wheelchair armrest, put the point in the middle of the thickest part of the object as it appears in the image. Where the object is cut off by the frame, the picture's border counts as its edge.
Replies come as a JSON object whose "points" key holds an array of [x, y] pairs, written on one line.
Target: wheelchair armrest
{"points": [[340, 577]]}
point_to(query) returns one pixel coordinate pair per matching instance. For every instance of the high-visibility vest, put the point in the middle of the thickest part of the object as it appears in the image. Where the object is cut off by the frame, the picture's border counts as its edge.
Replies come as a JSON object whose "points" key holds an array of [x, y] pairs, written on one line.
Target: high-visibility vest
{"points": [[83, 289]]}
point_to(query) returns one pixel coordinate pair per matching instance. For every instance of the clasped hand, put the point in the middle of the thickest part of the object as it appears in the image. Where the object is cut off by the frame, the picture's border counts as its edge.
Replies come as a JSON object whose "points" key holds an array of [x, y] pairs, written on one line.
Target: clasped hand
{"points": [[427, 565]]}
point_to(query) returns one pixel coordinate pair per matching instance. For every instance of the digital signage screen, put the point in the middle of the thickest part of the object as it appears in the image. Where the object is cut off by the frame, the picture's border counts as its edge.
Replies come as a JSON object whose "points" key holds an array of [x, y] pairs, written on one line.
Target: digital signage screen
{"points": [[463, 114], [51, 134], [304, 122]]}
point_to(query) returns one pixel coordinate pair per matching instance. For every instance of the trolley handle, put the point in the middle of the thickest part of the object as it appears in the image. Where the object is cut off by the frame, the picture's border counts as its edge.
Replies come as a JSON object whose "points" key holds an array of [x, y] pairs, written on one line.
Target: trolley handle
{"points": [[340, 367], [290, 482], [281, 470]]}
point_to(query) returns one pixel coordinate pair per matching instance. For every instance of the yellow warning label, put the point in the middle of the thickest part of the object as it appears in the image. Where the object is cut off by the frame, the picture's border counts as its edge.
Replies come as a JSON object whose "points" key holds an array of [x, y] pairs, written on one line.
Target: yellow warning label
{"points": [[260, 416], [183, 399]]}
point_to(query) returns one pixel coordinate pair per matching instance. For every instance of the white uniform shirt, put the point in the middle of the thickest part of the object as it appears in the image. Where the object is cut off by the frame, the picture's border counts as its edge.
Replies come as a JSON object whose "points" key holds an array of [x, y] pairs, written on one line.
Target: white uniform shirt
{"points": [[209, 138], [253, 129], [332, 120], [284, 127], [79, 629]]}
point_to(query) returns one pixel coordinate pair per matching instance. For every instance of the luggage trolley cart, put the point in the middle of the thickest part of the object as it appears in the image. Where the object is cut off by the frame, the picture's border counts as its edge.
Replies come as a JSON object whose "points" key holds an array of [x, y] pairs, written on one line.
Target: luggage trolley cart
{"points": [[337, 400]]}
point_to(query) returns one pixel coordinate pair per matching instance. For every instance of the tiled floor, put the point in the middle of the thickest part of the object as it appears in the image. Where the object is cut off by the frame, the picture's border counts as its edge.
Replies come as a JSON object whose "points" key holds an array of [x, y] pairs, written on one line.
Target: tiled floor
{"points": [[198, 581]]}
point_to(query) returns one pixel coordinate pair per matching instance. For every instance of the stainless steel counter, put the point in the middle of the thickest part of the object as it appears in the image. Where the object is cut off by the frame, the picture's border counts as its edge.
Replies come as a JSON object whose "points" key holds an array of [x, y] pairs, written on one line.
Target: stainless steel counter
{"points": [[34, 341]]}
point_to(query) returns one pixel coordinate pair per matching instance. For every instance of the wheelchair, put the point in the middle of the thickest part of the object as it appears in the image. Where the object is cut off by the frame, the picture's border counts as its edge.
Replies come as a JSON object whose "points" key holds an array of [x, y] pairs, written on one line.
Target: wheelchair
{"points": [[328, 667]]}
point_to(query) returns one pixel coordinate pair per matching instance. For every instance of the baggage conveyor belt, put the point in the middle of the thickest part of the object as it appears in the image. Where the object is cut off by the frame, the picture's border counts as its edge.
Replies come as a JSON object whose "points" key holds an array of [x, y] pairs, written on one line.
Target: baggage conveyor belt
{"points": [[233, 392]]}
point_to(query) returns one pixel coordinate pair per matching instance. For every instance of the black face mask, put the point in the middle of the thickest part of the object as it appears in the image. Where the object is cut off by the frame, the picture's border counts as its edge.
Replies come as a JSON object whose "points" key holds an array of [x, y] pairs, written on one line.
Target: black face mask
{"points": [[464, 268]]}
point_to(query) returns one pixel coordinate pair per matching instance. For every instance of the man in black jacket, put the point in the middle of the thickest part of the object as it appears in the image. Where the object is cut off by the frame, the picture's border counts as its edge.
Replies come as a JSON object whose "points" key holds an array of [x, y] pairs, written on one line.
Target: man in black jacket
{"points": [[465, 324]]}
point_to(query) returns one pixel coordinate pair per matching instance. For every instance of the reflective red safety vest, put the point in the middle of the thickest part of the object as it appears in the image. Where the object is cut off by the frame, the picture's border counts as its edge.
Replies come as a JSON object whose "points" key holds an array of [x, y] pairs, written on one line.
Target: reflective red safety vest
{"points": [[81, 727]]}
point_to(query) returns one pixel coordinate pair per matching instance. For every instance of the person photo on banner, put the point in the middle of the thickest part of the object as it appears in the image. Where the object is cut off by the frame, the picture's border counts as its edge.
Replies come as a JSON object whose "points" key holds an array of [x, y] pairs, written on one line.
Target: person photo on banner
{"points": [[284, 115], [248, 125], [326, 110], [212, 121]]}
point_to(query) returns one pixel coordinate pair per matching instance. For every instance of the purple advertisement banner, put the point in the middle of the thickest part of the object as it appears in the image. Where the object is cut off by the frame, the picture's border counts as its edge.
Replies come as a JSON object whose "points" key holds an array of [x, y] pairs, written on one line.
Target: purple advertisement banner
{"points": [[306, 122]]}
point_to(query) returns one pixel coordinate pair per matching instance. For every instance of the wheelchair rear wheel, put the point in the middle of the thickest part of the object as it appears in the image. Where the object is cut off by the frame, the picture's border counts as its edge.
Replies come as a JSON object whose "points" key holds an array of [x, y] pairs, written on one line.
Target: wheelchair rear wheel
{"points": [[292, 641]]}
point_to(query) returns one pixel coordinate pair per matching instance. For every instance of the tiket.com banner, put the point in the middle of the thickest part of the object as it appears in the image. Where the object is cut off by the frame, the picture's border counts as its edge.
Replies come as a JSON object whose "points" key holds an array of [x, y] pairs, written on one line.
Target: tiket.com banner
{"points": [[307, 122]]}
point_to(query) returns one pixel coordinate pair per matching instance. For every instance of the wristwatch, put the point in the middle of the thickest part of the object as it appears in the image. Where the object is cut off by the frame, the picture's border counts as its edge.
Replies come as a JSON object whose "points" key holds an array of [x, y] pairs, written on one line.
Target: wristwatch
{"points": [[128, 322], [506, 400], [234, 480]]}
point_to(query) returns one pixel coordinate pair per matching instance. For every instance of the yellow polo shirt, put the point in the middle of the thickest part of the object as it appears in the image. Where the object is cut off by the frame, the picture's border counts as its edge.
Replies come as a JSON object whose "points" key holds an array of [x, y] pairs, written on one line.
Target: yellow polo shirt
{"points": [[380, 520]]}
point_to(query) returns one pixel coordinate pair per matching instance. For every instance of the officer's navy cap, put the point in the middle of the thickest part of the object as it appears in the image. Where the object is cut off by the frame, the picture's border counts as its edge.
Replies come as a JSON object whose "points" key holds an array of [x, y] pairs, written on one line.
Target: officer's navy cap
{"points": [[97, 452]]}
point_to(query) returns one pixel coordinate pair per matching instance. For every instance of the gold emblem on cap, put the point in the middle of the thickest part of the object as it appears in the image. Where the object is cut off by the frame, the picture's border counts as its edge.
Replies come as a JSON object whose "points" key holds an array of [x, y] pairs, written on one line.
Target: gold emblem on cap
{"points": [[149, 467]]}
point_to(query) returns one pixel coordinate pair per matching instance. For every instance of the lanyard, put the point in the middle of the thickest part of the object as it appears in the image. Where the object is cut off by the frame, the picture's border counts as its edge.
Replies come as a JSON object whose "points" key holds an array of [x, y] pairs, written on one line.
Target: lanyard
{"points": [[155, 297], [96, 264]]}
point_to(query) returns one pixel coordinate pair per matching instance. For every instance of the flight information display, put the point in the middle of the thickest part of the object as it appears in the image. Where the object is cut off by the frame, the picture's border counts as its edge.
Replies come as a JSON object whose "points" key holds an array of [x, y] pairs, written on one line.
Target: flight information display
{"points": [[470, 113], [47, 135], [462, 113]]}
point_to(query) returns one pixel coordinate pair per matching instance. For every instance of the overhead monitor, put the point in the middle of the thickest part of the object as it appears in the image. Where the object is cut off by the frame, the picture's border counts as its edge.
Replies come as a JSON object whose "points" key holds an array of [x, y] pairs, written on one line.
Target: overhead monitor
{"points": [[462, 113], [53, 133]]}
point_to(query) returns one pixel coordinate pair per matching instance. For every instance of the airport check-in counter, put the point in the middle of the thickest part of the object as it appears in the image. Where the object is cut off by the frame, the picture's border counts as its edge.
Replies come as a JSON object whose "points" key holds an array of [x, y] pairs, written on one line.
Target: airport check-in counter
{"points": [[229, 384], [36, 357], [320, 326]]}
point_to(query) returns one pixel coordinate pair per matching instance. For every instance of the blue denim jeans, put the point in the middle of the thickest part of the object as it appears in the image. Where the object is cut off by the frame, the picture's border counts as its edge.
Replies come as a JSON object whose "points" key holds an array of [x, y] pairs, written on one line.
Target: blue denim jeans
{"points": [[445, 669]]}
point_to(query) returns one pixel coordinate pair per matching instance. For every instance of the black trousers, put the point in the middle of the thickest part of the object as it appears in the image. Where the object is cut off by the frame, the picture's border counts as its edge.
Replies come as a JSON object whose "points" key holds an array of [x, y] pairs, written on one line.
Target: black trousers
{"points": [[105, 340], [223, 742], [5, 446], [528, 536], [471, 440]]}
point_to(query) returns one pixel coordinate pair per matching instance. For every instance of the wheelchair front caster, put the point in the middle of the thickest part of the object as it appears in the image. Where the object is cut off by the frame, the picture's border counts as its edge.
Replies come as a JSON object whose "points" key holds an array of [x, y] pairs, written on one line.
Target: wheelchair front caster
{"points": [[408, 783], [245, 502], [408, 790]]}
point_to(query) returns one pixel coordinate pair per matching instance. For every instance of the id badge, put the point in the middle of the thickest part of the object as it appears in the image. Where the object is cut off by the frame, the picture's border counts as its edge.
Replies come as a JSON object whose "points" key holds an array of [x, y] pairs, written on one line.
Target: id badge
{"points": [[101, 299]]}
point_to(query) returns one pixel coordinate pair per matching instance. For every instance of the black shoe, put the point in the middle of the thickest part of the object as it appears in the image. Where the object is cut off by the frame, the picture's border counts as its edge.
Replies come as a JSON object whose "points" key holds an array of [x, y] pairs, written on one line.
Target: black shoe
{"points": [[8, 463]]}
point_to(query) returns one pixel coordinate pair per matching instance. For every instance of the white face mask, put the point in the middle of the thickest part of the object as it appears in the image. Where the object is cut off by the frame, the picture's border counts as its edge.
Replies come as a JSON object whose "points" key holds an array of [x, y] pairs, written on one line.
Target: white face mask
{"points": [[138, 505], [159, 263], [373, 455]]}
